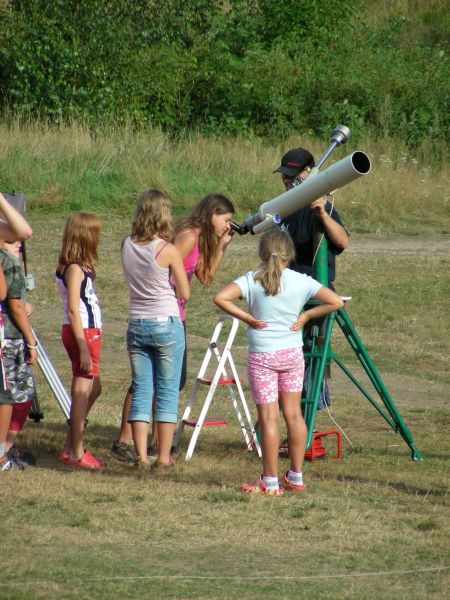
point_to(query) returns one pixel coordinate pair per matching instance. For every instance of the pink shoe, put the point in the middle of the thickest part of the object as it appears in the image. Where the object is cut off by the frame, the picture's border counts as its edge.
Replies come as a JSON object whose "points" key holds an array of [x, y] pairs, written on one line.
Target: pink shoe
{"points": [[63, 455], [292, 487], [97, 459], [258, 487], [87, 461]]}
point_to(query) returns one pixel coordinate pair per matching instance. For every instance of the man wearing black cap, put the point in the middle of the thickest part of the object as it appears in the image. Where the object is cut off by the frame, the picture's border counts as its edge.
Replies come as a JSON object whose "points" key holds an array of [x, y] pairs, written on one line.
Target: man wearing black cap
{"points": [[295, 167]]}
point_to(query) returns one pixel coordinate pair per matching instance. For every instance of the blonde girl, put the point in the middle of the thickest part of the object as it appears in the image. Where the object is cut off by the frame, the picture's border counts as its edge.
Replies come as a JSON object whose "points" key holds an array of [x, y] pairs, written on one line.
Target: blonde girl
{"points": [[275, 297], [82, 328], [156, 278], [201, 238]]}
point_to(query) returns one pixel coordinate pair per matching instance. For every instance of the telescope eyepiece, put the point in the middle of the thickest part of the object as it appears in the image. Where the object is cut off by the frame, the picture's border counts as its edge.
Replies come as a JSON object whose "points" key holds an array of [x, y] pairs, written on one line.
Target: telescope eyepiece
{"points": [[341, 134]]}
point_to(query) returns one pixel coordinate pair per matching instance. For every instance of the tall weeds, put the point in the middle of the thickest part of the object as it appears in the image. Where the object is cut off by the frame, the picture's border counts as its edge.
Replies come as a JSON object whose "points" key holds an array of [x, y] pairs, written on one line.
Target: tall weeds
{"points": [[69, 167]]}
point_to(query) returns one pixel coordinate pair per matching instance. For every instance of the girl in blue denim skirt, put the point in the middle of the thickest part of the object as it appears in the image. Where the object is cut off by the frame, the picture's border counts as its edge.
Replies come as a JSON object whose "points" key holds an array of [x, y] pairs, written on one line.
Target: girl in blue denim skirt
{"points": [[156, 278]]}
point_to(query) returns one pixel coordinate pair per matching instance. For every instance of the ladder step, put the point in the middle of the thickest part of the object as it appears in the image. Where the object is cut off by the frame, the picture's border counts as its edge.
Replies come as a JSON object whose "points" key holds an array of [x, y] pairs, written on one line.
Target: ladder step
{"points": [[207, 381], [208, 422]]}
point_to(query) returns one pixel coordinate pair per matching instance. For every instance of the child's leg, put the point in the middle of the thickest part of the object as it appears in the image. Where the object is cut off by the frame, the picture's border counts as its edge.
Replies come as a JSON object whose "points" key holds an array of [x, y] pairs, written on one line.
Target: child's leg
{"points": [[18, 417], [270, 437], [82, 389], [296, 428], [125, 428], [5, 419], [165, 433], [140, 438]]}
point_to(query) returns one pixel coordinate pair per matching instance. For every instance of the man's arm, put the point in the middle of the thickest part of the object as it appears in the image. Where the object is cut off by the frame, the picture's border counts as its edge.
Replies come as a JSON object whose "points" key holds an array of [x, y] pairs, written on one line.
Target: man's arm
{"points": [[335, 232]]}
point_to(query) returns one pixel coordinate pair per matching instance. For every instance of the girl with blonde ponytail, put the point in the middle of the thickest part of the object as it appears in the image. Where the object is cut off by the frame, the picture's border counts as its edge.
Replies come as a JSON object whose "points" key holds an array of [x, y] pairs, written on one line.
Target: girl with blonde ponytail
{"points": [[275, 297]]}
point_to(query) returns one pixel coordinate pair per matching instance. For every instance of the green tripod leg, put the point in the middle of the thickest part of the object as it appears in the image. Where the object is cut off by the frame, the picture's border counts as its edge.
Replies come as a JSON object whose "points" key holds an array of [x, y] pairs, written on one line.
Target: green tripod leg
{"points": [[316, 359], [321, 354], [393, 417]]}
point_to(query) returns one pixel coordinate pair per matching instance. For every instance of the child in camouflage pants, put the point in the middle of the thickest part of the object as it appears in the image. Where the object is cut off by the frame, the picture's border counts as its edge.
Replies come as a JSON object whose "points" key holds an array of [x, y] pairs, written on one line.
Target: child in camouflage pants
{"points": [[18, 350]]}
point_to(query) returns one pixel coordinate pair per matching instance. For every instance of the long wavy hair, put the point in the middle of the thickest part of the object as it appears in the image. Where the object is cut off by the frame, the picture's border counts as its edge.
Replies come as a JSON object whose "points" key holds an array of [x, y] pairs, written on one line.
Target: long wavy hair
{"points": [[276, 250], [153, 217], [80, 240], [201, 217]]}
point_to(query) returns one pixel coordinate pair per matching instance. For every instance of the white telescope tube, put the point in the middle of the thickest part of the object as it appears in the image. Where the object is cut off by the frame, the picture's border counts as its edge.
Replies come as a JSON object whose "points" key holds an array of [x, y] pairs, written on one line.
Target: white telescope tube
{"points": [[315, 186]]}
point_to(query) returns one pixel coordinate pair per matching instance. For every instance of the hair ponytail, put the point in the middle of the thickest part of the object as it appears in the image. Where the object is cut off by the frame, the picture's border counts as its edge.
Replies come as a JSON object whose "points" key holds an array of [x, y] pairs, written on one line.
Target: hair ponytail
{"points": [[276, 250]]}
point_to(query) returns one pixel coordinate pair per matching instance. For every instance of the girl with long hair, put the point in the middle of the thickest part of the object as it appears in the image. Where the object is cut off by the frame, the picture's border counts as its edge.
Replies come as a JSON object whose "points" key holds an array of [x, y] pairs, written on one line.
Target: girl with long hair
{"points": [[275, 297], [156, 278], [82, 328], [201, 238]]}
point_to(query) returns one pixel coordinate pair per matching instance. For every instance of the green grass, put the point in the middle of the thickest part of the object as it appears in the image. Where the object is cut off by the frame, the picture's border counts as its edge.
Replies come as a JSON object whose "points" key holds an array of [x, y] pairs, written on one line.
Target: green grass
{"points": [[71, 167], [371, 525]]}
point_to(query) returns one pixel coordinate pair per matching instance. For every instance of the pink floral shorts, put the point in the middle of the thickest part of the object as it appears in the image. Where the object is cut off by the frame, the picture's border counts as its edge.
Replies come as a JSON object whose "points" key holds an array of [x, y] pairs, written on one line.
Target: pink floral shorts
{"points": [[273, 372]]}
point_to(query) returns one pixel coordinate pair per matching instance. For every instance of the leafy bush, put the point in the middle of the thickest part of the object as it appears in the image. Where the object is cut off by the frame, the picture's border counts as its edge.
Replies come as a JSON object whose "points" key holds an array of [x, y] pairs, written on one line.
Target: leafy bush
{"points": [[252, 67]]}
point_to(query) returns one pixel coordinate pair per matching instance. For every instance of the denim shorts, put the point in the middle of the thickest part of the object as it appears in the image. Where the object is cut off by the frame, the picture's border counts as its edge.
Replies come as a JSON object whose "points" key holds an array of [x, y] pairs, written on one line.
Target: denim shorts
{"points": [[156, 348]]}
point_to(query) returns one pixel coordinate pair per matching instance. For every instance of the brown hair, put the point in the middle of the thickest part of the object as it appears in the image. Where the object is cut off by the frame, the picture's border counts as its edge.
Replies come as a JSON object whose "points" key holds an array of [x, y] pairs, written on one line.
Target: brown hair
{"points": [[80, 240], [201, 217], [276, 250], [153, 217]]}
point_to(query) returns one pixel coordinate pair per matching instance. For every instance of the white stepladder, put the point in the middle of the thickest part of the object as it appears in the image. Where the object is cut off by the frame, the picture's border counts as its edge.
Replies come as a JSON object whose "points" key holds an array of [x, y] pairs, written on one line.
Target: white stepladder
{"points": [[220, 378]]}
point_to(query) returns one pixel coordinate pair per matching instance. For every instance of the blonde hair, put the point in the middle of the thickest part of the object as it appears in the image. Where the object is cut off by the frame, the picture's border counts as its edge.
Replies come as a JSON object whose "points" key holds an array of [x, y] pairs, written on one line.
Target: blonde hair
{"points": [[153, 217], [201, 217], [276, 250], [80, 240]]}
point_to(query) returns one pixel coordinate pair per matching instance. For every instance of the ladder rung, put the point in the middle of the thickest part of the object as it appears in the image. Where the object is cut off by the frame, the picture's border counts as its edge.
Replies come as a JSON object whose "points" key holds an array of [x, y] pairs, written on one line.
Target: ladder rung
{"points": [[207, 381], [208, 422]]}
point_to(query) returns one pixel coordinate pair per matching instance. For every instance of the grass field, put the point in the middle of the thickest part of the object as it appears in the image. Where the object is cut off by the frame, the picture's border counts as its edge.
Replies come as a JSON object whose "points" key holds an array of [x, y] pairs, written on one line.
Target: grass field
{"points": [[371, 525]]}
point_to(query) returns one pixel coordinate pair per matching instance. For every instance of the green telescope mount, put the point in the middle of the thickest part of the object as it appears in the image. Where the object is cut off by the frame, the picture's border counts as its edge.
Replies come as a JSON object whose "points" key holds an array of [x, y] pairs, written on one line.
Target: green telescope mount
{"points": [[319, 356]]}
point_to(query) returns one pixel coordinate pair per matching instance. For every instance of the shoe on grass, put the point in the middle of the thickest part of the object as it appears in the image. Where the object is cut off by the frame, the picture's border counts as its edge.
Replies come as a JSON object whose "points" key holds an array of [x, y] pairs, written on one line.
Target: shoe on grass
{"points": [[87, 461], [160, 467], [292, 487], [23, 456], [258, 488], [123, 452], [141, 466], [8, 464]]}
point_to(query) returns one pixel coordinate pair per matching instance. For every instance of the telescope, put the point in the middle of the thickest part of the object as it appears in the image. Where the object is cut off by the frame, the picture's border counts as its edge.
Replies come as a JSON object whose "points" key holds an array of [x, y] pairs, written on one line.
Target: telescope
{"points": [[315, 186]]}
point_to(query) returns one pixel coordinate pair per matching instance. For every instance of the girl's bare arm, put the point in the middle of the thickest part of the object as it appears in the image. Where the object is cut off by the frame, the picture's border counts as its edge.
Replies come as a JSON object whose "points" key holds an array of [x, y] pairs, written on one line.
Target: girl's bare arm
{"points": [[12, 225], [225, 300], [3, 285], [329, 302], [73, 278]]}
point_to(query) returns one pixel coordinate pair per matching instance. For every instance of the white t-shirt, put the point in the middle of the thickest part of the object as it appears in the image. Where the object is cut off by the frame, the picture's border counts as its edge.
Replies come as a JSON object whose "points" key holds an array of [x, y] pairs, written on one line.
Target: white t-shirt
{"points": [[279, 312]]}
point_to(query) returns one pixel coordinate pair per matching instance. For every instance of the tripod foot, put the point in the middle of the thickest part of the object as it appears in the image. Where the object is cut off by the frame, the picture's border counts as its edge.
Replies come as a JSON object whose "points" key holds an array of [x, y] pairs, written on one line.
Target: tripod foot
{"points": [[416, 454]]}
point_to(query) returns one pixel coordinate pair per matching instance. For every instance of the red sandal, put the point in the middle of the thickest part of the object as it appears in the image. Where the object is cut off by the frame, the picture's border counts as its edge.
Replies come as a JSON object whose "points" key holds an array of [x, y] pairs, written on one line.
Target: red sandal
{"points": [[258, 487], [87, 461]]}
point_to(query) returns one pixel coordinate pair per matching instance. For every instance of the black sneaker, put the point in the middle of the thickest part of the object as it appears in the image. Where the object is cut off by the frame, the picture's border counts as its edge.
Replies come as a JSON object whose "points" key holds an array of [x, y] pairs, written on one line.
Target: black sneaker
{"points": [[21, 456], [123, 452], [10, 465]]}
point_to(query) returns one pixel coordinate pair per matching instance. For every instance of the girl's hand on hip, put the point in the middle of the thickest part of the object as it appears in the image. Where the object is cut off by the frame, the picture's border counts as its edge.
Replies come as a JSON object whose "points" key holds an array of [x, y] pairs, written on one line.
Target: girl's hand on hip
{"points": [[302, 319], [256, 323]]}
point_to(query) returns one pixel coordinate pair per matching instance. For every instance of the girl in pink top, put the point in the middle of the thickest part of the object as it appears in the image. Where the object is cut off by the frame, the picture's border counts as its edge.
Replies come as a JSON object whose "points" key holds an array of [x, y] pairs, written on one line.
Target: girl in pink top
{"points": [[201, 238]]}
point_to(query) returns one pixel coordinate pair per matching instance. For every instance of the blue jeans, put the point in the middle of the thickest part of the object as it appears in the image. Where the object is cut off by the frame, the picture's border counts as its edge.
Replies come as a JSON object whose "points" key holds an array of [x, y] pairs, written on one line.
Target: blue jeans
{"points": [[156, 349]]}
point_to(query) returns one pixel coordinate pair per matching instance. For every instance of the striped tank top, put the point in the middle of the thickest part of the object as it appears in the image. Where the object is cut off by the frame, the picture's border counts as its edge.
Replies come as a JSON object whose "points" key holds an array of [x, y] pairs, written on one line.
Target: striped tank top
{"points": [[90, 312]]}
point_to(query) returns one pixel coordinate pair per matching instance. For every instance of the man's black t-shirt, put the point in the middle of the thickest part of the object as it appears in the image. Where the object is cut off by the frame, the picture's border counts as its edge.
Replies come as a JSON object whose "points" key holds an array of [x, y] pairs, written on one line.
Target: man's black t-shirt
{"points": [[300, 228]]}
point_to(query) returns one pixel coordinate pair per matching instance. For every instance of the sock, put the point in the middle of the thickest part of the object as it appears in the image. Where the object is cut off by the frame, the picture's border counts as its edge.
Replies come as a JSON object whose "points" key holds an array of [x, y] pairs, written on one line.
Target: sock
{"points": [[294, 477], [2, 449], [271, 483]]}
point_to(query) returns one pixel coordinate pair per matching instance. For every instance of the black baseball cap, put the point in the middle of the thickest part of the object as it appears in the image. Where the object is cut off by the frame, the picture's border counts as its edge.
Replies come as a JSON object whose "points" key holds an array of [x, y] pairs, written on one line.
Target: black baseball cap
{"points": [[294, 161]]}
